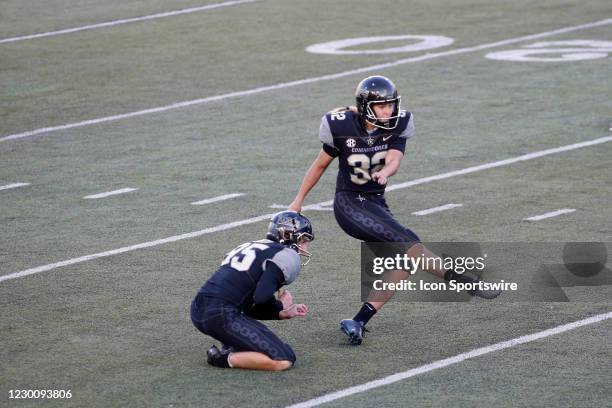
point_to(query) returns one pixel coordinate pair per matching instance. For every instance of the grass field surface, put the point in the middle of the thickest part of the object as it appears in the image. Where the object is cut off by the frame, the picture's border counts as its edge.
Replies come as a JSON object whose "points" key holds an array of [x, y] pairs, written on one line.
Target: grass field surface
{"points": [[226, 100]]}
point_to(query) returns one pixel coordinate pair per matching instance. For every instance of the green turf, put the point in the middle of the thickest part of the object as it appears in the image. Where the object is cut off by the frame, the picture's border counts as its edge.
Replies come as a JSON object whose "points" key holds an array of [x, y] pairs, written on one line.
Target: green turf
{"points": [[116, 331], [545, 373]]}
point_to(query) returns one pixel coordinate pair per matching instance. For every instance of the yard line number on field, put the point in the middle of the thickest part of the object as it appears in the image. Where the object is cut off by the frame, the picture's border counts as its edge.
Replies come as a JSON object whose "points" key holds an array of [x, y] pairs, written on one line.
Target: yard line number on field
{"points": [[261, 89]]}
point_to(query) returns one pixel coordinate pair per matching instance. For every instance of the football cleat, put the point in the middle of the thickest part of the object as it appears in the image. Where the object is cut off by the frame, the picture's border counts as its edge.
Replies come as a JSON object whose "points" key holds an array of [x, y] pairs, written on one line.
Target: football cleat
{"points": [[354, 330], [485, 293], [214, 356]]}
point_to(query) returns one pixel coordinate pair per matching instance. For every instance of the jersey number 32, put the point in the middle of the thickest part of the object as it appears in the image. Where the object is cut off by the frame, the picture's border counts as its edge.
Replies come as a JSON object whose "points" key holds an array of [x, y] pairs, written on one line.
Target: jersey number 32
{"points": [[362, 166]]}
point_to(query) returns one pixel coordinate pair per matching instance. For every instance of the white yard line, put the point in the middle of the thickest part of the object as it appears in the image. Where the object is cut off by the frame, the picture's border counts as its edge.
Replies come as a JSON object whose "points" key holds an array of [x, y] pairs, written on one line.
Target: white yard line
{"points": [[110, 193], [215, 199], [124, 21], [13, 185], [279, 206], [450, 361], [550, 214], [149, 244], [253, 220], [312, 207], [437, 209], [529, 156], [201, 101]]}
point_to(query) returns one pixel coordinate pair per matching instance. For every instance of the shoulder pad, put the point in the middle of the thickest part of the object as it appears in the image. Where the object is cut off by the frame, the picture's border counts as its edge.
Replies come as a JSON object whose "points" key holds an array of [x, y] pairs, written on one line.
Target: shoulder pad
{"points": [[405, 126], [289, 262]]}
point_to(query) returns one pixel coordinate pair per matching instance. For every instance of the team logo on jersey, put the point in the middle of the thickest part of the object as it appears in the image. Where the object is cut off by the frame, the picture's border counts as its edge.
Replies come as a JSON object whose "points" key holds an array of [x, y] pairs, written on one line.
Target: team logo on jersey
{"points": [[370, 141], [350, 142]]}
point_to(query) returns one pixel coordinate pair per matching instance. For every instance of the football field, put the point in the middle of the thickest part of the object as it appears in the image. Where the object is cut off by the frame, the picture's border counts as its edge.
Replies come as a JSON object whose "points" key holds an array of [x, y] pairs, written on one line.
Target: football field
{"points": [[142, 140]]}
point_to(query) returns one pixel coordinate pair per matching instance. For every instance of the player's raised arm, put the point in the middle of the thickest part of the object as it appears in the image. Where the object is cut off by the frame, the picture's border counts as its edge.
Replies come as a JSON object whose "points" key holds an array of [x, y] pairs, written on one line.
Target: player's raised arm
{"points": [[311, 178]]}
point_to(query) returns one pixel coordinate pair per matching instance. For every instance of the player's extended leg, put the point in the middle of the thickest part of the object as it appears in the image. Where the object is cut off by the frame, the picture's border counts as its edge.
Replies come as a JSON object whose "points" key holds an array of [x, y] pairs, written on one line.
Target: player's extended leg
{"points": [[378, 298], [368, 218], [436, 268]]}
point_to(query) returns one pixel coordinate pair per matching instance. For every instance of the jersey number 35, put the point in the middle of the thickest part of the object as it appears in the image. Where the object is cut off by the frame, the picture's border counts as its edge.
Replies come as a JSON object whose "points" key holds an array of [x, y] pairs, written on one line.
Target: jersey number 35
{"points": [[241, 258]]}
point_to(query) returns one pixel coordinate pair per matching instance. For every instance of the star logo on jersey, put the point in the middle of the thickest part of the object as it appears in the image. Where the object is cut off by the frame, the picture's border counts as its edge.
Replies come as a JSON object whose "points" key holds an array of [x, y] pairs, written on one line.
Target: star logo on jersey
{"points": [[350, 142], [370, 141]]}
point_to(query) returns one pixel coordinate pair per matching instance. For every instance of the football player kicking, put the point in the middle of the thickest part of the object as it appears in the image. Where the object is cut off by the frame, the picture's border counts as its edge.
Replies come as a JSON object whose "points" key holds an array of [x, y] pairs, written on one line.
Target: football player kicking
{"points": [[369, 141], [242, 290]]}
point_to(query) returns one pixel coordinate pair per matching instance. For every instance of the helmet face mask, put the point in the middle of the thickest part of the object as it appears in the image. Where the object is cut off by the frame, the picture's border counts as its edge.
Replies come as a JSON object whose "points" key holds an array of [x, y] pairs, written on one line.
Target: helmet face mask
{"points": [[389, 123], [290, 228], [306, 237], [374, 90]]}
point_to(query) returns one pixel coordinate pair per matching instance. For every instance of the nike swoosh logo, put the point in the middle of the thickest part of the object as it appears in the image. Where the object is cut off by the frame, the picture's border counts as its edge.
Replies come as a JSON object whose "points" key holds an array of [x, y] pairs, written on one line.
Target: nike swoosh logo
{"points": [[386, 138]]}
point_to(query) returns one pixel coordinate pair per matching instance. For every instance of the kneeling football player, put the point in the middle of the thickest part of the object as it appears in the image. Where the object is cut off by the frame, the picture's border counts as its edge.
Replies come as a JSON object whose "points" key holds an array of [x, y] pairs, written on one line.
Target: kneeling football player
{"points": [[241, 292]]}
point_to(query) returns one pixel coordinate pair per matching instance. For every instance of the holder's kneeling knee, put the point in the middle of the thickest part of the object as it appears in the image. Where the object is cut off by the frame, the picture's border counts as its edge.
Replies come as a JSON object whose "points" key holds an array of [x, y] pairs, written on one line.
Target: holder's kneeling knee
{"points": [[288, 354], [282, 365], [286, 360]]}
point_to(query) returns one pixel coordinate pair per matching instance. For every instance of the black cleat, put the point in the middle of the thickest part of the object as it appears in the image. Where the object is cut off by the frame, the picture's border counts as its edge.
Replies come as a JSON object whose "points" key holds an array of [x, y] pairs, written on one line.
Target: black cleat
{"points": [[485, 293], [216, 357], [354, 330], [226, 349]]}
